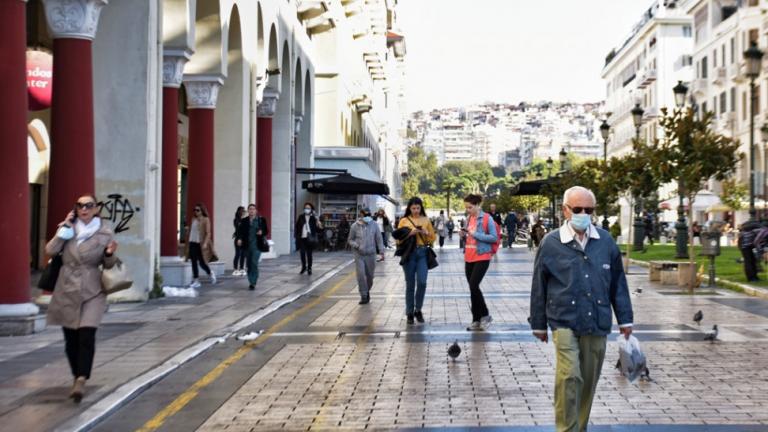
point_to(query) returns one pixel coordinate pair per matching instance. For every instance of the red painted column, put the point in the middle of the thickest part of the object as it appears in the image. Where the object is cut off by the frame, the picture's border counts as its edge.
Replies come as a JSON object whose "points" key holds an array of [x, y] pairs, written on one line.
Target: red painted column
{"points": [[173, 67], [201, 97], [72, 167], [14, 225], [169, 180], [265, 112]]}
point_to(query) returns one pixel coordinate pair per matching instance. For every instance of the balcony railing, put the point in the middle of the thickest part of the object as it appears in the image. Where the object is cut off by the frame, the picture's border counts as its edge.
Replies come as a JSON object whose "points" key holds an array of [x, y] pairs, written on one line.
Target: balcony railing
{"points": [[699, 86], [719, 75]]}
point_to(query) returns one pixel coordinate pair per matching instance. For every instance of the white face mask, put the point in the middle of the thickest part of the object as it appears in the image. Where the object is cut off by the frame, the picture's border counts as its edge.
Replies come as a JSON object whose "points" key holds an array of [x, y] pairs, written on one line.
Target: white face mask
{"points": [[66, 233], [307, 210]]}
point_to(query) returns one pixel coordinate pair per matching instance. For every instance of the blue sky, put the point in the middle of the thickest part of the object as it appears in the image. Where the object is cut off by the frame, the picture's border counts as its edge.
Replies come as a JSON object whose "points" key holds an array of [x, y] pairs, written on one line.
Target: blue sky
{"points": [[467, 51]]}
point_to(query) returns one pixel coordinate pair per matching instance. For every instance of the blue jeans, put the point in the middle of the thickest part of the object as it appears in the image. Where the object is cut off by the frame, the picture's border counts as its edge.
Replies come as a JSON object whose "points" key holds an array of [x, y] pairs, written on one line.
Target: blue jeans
{"points": [[415, 280]]}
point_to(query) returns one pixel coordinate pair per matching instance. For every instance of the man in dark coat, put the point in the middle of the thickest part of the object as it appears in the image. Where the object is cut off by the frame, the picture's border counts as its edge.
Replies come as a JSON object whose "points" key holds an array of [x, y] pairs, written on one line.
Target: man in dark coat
{"points": [[251, 236]]}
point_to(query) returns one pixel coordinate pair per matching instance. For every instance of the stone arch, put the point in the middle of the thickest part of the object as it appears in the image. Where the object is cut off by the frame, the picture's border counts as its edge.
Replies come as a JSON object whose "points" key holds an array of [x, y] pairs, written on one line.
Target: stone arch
{"points": [[232, 139], [259, 34], [273, 60], [179, 24], [210, 41]]}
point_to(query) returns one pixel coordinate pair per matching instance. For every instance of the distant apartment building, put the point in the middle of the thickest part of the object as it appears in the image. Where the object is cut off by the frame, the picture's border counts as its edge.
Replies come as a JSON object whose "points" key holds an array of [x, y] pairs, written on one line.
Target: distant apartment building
{"points": [[644, 69]]}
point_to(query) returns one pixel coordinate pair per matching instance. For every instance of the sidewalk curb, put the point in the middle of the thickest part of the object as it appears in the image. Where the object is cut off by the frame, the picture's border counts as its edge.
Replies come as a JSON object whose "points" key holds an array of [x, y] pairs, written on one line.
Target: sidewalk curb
{"points": [[733, 286], [133, 388]]}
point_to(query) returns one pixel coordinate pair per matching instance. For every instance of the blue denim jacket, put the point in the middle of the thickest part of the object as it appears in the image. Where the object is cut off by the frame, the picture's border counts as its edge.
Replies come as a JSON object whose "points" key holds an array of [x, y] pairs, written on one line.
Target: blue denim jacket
{"points": [[575, 288], [484, 241]]}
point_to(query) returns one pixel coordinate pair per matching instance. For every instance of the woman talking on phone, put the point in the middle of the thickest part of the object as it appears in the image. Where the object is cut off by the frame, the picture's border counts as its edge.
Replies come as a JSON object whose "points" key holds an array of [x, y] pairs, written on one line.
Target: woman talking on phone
{"points": [[415, 267], [78, 303]]}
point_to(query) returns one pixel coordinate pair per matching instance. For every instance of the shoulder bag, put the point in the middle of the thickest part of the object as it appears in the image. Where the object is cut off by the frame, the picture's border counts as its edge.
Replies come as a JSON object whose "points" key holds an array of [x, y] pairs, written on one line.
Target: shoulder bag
{"points": [[50, 273], [116, 278], [431, 255]]}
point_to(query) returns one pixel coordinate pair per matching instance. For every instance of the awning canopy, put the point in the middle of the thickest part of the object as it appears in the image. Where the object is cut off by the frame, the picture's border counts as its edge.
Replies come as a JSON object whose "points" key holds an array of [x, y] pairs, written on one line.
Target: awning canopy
{"points": [[704, 199], [345, 184], [532, 187]]}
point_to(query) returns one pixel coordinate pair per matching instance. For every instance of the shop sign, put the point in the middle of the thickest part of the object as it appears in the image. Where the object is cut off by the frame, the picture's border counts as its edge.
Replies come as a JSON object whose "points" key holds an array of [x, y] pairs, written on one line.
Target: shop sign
{"points": [[39, 79]]}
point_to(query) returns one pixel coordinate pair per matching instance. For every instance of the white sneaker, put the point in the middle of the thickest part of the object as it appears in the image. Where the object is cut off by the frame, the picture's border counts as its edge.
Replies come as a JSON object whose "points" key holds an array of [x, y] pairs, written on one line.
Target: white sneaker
{"points": [[475, 326], [195, 284], [213, 279], [486, 321], [238, 273]]}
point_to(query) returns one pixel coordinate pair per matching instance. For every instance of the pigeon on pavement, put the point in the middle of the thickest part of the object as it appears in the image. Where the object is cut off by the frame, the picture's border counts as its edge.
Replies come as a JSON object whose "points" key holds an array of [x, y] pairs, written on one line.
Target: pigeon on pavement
{"points": [[698, 316], [454, 350], [250, 336], [712, 337]]}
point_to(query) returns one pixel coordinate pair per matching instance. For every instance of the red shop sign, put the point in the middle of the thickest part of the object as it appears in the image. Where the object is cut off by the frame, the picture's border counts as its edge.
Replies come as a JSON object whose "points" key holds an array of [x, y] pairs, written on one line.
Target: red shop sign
{"points": [[39, 79]]}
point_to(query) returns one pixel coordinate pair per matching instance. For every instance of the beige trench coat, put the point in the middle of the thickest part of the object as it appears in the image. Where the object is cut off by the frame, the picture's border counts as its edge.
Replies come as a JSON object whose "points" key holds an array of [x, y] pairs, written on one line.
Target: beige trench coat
{"points": [[206, 244], [78, 300]]}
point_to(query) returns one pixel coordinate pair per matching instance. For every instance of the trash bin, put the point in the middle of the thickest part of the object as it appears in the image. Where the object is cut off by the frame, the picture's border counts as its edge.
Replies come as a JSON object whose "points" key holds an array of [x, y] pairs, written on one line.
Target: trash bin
{"points": [[710, 243]]}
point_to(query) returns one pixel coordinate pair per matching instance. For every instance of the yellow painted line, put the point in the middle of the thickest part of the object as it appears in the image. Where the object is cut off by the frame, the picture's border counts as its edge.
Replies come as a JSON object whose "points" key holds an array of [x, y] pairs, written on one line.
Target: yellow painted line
{"points": [[191, 393]]}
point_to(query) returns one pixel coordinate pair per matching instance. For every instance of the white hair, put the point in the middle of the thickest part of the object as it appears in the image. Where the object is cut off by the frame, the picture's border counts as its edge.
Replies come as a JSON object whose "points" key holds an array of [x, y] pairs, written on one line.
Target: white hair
{"points": [[582, 189]]}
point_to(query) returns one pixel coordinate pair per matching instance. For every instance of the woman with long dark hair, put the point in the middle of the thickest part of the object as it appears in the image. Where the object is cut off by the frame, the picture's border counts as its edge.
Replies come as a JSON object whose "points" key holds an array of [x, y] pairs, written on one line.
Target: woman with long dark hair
{"points": [[479, 235], [200, 244], [306, 232], [415, 267], [240, 250]]}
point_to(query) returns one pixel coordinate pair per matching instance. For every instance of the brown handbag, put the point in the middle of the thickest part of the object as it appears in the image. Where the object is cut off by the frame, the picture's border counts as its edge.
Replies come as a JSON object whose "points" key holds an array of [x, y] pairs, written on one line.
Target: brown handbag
{"points": [[114, 279]]}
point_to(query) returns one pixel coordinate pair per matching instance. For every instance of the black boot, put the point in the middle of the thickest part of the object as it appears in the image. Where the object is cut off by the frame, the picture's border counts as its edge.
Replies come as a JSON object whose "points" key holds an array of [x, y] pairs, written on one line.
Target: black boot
{"points": [[303, 269], [410, 318], [309, 270], [365, 300], [419, 317]]}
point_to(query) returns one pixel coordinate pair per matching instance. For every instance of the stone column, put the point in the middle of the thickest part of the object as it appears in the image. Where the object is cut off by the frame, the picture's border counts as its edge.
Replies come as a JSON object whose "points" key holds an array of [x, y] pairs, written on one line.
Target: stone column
{"points": [[16, 312], [72, 24], [173, 68], [202, 92], [265, 113]]}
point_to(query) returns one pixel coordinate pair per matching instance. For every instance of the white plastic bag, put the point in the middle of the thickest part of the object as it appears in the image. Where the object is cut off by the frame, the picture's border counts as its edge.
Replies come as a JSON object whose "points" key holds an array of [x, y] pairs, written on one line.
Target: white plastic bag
{"points": [[631, 358], [170, 291]]}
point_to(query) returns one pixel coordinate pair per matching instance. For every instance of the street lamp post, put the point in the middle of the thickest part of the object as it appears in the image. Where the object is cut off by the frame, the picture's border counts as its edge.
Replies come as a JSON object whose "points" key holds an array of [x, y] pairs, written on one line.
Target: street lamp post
{"points": [[681, 239], [550, 163], [753, 57], [639, 231], [605, 130]]}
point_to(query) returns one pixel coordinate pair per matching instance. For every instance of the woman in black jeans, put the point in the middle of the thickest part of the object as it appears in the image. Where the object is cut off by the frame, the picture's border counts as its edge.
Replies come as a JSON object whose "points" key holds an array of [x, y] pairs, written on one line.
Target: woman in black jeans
{"points": [[479, 235], [240, 251], [306, 233]]}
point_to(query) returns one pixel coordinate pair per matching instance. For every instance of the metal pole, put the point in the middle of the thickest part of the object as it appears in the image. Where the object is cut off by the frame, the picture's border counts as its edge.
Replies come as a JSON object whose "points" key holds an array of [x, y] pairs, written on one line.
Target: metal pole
{"points": [[639, 234], [752, 211], [711, 271], [606, 224], [681, 239]]}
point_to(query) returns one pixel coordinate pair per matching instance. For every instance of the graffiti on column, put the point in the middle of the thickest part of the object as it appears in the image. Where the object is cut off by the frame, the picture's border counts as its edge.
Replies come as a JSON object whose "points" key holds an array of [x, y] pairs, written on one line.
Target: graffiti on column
{"points": [[119, 211]]}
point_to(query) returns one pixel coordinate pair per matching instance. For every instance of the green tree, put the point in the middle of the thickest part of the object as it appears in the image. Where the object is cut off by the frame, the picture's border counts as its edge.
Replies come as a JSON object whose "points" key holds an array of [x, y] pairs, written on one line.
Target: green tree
{"points": [[691, 153], [734, 193]]}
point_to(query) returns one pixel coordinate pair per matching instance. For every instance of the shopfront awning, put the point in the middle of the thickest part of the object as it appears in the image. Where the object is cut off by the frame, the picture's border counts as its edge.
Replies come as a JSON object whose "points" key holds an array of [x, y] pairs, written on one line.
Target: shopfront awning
{"points": [[345, 184], [532, 187]]}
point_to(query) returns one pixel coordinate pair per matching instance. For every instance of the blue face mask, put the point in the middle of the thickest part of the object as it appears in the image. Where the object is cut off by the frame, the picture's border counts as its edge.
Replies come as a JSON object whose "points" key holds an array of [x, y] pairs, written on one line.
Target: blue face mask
{"points": [[367, 219], [581, 221], [65, 233]]}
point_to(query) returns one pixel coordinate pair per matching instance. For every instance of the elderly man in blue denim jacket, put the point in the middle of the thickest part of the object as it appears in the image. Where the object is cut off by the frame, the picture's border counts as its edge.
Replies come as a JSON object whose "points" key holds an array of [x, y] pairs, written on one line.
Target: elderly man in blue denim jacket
{"points": [[578, 277]]}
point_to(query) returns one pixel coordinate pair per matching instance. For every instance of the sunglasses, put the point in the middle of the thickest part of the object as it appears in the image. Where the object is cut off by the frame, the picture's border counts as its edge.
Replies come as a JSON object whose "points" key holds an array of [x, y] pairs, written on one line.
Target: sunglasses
{"points": [[197, 210], [577, 210], [87, 206]]}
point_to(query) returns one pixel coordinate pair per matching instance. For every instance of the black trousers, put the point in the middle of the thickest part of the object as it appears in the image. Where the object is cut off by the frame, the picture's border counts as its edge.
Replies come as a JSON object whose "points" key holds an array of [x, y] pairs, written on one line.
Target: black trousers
{"points": [[80, 346], [475, 272], [305, 249], [442, 241], [240, 254], [750, 264], [196, 256]]}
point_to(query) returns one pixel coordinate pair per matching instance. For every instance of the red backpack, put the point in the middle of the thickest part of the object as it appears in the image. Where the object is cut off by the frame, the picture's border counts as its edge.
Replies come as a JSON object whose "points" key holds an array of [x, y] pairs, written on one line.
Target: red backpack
{"points": [[494, 246]]}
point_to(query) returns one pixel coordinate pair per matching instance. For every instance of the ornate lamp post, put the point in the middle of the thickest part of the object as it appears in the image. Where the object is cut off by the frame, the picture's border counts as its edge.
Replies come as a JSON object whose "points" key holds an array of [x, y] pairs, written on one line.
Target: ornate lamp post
{"points": [[639, 231], [681, 239], [753, 57], [550, 164], [764, 134], [605, 130]]}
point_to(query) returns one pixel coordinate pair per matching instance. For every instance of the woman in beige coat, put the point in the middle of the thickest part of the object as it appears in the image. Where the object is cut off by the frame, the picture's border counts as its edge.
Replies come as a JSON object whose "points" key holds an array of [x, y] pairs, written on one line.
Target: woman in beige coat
{"points": [[200, 244], [78, 303]]}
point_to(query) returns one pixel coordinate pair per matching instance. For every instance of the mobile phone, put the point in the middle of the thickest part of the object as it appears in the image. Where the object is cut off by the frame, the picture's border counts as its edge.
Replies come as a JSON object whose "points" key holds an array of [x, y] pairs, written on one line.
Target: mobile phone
{"points": [[74, 212]]}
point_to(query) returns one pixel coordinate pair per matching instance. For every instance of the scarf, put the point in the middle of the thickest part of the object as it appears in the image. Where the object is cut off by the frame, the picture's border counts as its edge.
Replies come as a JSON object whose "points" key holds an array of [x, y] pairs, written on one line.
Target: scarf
{"points": [[83, 232]]}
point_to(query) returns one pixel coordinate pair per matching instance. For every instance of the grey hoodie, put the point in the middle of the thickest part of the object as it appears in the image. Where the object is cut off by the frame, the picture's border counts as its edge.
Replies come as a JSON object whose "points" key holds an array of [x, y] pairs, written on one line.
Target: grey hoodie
{"points": [[365, 238]]}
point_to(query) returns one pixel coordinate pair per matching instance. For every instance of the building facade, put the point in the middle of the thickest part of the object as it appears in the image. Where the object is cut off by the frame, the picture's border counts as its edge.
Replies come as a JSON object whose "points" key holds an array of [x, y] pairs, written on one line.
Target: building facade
{"points": [[157, 105]]}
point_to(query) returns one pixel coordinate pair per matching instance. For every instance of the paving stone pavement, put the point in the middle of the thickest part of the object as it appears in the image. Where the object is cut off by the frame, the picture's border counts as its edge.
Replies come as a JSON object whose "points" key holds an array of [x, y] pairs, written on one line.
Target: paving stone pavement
{"points": [[134, 338], [361, 367]]}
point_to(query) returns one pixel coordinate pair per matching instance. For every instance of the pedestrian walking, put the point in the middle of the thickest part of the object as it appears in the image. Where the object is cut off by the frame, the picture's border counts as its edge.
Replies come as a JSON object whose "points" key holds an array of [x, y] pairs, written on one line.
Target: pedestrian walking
{"points": [[307, 232], [451, 228], [384, 226], [200, 245], [240, 251], [578, 275], [78, 303], [441, 228], [746, 243], [415, 267], [252, 237], [510, 223], [479, 236], [366, 241], [342, 232], [496, 215], [537, 232]]}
